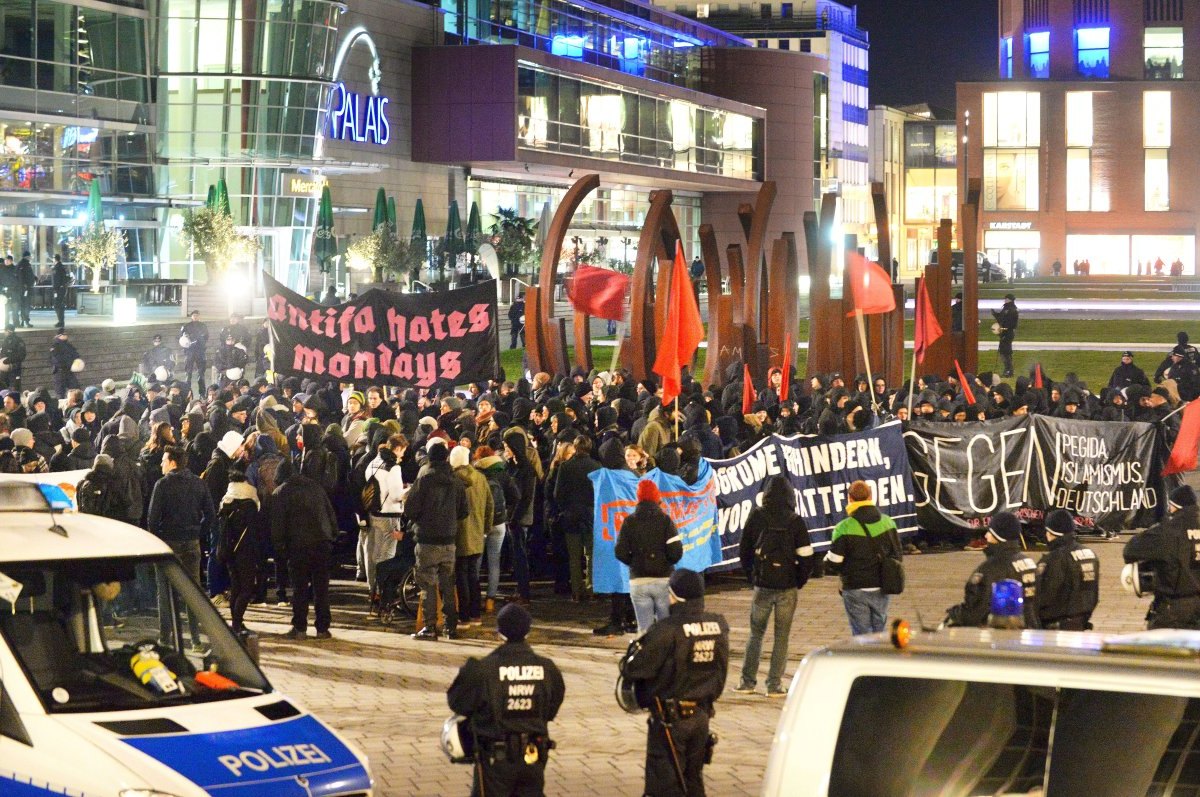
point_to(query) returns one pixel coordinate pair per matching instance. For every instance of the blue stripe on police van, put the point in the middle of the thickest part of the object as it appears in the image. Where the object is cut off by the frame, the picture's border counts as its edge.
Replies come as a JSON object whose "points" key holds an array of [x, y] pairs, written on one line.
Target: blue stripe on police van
{"points": [[265, 760], [18, 786]]}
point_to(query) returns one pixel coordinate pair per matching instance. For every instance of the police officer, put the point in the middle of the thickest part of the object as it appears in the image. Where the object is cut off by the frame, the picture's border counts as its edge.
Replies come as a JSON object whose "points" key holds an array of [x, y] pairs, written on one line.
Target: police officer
{"points": [[12, 350], [60, 282], [10, 286], [63, 355], [239, 331], [158, 356], [27, 280], [679, 669], [508, 697], [1068, 577], [1007, 318], [194, 353], [1172, 547], [1004, 560]]}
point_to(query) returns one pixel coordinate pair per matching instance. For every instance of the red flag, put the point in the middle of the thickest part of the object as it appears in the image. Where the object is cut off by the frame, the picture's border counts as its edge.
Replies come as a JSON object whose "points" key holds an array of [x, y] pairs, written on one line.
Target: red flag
{"points": [[683, 331], [747, 391], [871, 287], [1037, 376], [599, 292], [785, 383], [1183, 453], [962, 380], [927, 328]]}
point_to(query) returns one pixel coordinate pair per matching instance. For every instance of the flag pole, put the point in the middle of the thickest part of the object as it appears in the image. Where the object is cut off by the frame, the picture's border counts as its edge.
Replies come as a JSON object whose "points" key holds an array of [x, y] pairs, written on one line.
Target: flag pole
{"points": [[676, 418], [1180, 408], [862, 338], [912, 378]]}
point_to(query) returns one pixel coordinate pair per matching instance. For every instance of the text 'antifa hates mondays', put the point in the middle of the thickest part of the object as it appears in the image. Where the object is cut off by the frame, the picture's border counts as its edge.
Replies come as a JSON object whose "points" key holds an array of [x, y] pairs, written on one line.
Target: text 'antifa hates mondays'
{"points": [[345, 323]]}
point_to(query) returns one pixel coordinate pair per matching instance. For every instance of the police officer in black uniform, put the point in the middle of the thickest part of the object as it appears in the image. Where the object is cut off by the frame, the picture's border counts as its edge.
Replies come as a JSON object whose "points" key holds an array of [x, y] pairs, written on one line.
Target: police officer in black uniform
{"points": [[28, 279], [1068, 577], [1007, 318], [1005, 560], [12, 349], [60, 282], [679, 668], [195, 354], [157, 356], [1172, 550], [63, 354], [508, 697]]}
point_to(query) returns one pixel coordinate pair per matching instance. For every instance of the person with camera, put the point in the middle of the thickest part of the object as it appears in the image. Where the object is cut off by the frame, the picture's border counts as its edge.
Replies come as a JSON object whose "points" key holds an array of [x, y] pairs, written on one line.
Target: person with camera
{"points": [[1068, 577], [1004, 561], [1168, 553], [678, 670], [508, 697]]}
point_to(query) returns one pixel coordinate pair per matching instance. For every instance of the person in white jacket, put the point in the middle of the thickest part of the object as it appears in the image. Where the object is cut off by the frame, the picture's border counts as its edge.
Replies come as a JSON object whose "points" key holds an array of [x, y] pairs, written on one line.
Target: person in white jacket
{"points": [[385, 489]]}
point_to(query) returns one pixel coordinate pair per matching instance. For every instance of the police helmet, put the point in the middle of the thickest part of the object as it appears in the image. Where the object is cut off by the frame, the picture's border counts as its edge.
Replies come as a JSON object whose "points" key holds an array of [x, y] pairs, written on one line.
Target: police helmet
{"points": [[626, 693], [162, 373], [458, 742], [233, 373], [1137, 579], [5, 365]]}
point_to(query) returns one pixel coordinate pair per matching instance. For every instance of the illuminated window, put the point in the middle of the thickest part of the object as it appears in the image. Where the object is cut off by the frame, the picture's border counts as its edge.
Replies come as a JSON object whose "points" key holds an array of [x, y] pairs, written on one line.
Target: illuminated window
{"points": [[1079, 119], [1164, 53], [1157, 181], [1012, 119], [1156, 119], [1079, 178], [1039, 55], [1010, 179], [1006, 55], [1091, 52]]}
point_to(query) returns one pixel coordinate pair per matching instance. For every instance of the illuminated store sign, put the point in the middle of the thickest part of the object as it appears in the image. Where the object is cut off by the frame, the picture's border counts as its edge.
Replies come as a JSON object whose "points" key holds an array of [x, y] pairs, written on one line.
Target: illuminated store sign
{"points": [[296, 184], [355, 117]]}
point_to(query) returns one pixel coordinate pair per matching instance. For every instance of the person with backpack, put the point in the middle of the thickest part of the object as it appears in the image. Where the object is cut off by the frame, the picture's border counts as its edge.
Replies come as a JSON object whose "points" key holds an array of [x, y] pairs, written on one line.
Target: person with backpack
{"points": [[650, 545], [96, 494], [859, 544], [238, 522], [383, 500], [263, 473], [777, 555]]}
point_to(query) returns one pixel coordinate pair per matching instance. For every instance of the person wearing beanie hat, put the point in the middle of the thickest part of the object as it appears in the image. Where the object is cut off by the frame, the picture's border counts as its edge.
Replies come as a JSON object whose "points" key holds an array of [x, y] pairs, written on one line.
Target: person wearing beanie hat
{"points": [[23, 447], [1168, 550], [650, 545], [1068, 577], [1127, 373], [679, 667], [435, 505], [856, 545], [512, 693], [1004, 559], [95, 493]]}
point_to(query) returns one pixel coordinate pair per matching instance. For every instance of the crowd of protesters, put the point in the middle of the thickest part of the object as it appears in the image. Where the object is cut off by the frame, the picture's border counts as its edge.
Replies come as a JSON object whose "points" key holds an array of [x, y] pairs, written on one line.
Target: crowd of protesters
{"points": [[251, 481]]}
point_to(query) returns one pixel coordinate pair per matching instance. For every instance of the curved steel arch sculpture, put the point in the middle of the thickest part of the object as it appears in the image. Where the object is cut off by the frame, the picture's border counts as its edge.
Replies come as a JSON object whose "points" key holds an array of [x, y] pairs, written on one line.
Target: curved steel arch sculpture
{"points": [[655, 245], [546, 335]]}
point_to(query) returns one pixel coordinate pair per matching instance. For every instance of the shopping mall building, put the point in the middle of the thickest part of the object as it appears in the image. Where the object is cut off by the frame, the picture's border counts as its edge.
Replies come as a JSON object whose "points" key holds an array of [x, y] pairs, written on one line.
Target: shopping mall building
{"points": [[1086, 141], [158, 99]]}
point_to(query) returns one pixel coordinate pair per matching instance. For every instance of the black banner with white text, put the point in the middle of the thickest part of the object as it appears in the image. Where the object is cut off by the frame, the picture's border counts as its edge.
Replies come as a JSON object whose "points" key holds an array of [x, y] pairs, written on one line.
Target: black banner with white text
{"points": [[1108, 475]]}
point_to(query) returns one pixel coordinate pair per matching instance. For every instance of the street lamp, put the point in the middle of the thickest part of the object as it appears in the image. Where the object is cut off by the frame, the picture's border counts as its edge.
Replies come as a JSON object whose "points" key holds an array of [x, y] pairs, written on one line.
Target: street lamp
{"points": [[966, 155]]}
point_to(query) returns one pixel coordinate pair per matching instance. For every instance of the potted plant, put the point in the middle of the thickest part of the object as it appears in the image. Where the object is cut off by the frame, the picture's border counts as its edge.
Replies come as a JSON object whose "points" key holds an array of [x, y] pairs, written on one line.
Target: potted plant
{"points": [[389, 257], [513, 238], [213, 235], [95, 248]]}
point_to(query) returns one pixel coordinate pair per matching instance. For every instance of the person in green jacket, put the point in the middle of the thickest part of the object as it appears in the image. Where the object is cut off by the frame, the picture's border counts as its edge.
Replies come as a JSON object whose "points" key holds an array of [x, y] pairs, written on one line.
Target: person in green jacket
{"points": [[856, 557], [471, 532]]}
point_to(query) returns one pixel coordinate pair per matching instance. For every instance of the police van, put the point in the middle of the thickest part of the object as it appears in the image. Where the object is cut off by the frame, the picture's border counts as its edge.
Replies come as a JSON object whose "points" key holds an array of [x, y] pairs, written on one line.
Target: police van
{"points": [[118, 678], [975, 712]]}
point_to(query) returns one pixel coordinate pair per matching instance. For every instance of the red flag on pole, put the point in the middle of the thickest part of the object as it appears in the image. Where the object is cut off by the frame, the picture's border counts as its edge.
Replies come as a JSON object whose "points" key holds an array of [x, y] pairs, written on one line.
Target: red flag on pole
{"points": [[870, 286], [1183, 453], [747, 391], [599, 292], [1037, 376], [927, 328], [786, 382], [962, 381], [683, 331]]}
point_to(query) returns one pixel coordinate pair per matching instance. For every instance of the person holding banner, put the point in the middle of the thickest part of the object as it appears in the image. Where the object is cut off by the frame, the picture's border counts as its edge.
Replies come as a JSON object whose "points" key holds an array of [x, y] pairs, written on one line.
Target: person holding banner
{"points": [[650, 545], [858, 544]]}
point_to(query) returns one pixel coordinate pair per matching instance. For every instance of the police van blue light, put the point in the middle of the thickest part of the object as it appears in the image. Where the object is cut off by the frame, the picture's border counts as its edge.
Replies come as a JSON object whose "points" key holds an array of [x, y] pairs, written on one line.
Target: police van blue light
{"points": [[165, 702]]}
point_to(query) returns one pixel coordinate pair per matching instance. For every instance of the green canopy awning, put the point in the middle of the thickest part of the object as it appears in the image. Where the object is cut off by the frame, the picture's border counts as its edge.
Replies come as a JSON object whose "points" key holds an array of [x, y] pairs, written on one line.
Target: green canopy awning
{"points": [[223, 205], [474, 229], [95, 209], [381, 210], [324, 242], [391, 208]]}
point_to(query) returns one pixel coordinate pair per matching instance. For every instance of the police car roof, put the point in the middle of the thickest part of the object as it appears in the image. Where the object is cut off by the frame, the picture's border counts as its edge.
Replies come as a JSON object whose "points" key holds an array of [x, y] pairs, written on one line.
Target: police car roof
{"points": [[26, 533], [1173, 649]]}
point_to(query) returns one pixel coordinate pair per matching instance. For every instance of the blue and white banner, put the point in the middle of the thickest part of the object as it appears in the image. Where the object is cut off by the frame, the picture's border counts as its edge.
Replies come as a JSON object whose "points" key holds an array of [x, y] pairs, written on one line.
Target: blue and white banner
{"points": [[693, 508], [821, 470]]}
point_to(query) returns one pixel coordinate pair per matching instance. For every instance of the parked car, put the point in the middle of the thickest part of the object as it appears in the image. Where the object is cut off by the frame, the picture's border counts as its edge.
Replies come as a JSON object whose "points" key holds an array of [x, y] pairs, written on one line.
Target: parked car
{"points": [[987, 273]]}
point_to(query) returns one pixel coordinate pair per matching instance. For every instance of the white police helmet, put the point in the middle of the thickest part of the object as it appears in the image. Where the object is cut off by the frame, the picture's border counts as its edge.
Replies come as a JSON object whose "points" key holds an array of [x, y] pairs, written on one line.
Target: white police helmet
{"points": [[162, 373], [5, 365], [458, 743], [233, 373], [185, 340]]}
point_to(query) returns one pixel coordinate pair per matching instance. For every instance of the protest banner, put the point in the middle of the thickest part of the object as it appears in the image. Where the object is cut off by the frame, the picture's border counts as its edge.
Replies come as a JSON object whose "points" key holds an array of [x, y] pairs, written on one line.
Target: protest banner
{"points": [[1107, 474], [693, 508], [820, 469], [443, 338]]}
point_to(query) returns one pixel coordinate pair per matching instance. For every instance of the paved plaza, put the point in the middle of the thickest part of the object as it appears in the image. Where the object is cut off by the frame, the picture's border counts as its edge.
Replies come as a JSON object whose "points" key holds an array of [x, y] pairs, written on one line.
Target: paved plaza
{"points": [[386, 692]]}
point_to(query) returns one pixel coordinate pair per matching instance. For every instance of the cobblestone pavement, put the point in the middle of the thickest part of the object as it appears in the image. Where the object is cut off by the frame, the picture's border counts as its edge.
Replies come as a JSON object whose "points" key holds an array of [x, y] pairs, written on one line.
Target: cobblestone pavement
{"points": [[386, 692]]}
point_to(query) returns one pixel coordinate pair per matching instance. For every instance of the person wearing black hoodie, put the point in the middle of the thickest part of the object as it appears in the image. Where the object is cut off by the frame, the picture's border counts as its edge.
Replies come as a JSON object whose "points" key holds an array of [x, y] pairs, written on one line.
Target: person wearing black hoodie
{"points": [[777, 555], [78, 457], [303, 526], [650, 545], [575, 498], [435, 504], [237, 545], [524, 473]]}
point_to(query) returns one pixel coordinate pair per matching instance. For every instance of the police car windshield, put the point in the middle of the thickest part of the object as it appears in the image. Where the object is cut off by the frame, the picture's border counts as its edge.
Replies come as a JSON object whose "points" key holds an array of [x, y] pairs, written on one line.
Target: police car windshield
{"points": [[119, 634]]}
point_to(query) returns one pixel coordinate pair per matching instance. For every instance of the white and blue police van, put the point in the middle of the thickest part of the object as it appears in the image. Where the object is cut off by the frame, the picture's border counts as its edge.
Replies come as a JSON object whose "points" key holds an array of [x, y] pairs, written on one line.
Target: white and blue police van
{"points": [[118, 678]]}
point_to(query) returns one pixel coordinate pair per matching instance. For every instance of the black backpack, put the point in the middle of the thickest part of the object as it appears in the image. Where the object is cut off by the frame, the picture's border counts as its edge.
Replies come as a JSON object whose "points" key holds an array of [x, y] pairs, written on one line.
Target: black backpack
{"points": [[372, 501], [775, 559], [95, 497]]}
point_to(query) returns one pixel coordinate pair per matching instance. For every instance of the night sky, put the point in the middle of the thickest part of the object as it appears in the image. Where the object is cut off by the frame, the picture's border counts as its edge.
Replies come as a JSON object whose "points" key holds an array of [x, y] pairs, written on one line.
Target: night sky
{"points": [[920, 48]]}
